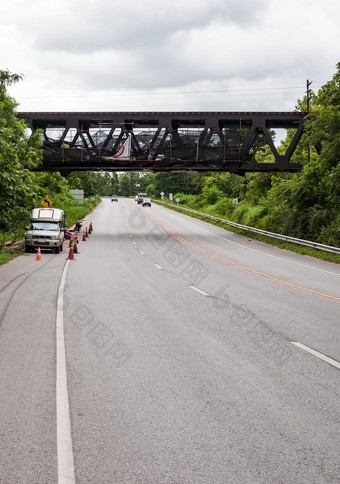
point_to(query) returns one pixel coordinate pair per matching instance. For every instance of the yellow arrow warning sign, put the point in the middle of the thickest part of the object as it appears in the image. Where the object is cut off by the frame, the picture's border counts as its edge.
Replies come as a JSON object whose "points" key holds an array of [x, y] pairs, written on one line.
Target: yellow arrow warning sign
{"points": [[47, 202]]}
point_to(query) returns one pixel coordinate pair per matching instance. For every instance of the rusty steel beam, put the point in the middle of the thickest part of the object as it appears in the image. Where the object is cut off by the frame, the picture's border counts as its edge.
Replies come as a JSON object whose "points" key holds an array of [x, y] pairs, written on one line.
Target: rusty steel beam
{"points": [[164, 141]]}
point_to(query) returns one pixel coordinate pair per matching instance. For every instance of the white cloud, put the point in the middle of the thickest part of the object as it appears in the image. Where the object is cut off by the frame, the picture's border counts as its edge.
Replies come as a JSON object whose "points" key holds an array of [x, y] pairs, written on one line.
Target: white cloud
{"points": [[96, 53]]}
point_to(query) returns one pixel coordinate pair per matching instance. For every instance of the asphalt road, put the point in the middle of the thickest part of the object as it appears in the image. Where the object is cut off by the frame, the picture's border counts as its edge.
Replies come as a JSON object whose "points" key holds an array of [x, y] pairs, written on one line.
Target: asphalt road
{"points": [[193, 355]]}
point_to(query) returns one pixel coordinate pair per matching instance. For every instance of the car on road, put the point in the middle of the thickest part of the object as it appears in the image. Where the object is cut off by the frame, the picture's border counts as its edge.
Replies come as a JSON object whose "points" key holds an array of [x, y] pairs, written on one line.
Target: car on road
{"points": [[146, 202], [141, 197], [114, 198]]}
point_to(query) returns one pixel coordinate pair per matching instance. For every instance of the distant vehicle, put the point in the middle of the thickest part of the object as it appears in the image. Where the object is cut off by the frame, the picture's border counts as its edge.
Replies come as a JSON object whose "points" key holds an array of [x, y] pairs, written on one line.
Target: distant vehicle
{"points": [[141, 197], [47, 230], [146, 202], [114, 198]]}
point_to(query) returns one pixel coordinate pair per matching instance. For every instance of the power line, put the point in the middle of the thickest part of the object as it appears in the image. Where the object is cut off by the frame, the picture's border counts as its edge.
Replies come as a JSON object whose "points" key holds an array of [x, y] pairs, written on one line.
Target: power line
{"points": [[130, 93]]}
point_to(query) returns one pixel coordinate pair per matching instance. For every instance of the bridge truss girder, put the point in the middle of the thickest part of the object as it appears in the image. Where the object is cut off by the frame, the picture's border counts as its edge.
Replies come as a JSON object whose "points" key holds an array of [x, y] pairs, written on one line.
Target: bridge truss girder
{"points": [[164, 141]]}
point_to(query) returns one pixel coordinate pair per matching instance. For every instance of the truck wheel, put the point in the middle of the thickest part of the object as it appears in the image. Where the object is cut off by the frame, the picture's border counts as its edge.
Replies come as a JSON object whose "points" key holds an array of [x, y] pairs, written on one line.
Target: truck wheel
{"points": [[57, 250], [27, 249]]}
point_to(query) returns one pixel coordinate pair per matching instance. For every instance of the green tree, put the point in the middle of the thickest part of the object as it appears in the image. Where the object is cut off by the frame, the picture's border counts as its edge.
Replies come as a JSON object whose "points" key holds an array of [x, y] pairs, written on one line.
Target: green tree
{"points": [[19, 152], [169, 183], [87, 183], [105, 183], [124, 185], [324, 122]]}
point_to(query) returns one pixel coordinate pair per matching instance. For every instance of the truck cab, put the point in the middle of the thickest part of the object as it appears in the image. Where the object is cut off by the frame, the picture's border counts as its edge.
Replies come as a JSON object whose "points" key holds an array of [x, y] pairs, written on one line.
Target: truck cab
{"points": [[47, 230]]}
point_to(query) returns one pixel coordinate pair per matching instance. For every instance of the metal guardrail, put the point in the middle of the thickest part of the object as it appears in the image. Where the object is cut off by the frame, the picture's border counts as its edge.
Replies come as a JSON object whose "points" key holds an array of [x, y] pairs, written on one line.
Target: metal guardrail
{"points": [[286, 238]]}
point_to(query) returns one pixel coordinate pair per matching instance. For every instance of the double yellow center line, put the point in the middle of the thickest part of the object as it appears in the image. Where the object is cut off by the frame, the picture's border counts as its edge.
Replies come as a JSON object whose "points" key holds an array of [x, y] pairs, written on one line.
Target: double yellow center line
{"points": [[242, 268]]}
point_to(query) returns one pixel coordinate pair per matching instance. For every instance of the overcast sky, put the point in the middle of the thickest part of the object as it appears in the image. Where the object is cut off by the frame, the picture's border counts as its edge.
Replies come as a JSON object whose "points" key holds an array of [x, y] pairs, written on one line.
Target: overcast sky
{"points": [[171, 55]]}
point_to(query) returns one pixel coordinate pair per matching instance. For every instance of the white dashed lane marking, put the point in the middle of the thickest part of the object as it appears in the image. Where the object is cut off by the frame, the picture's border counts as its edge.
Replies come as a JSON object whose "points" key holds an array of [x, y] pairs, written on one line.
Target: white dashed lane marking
{"points": [[199, 290], [319, 355]]}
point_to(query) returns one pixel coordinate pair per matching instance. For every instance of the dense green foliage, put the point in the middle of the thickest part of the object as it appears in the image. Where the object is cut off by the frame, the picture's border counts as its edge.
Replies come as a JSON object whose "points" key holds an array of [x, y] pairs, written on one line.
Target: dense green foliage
{"points": [[18, 153]]}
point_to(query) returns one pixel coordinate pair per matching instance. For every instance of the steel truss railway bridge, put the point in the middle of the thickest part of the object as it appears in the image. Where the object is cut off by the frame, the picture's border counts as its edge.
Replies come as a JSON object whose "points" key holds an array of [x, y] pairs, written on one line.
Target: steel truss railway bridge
{"points": [[164, 141]]}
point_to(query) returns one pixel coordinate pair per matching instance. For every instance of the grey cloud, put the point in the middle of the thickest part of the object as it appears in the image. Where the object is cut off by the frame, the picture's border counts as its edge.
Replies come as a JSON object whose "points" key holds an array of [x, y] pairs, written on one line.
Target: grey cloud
{"points": [[91, 26], [189, 44]]}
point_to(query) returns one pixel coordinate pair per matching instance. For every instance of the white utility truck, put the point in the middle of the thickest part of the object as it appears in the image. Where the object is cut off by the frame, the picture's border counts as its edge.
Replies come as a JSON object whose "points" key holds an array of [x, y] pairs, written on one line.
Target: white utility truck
{"points": [[47, 230]]}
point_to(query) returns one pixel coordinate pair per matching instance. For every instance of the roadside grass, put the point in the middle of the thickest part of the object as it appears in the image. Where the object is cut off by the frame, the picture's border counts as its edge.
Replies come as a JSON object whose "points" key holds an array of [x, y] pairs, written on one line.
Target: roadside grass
{"points": [[299, 249], [9, 254]]}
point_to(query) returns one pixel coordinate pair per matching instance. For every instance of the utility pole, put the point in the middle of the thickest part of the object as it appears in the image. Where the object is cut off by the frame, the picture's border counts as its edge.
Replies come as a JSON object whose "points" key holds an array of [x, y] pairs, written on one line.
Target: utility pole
{"points": [[308, 94], [308, 107]]}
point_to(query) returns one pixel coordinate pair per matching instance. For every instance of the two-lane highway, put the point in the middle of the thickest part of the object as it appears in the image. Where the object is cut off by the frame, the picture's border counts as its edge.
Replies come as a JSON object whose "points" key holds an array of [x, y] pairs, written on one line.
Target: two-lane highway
{"points": [[192, 355]]}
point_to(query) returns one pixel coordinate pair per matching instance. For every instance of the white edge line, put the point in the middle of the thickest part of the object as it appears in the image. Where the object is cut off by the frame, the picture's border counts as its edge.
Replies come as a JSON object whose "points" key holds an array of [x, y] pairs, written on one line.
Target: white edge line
{"points": [[64, 437], [199, 290], [159, 267], [317, 354]]}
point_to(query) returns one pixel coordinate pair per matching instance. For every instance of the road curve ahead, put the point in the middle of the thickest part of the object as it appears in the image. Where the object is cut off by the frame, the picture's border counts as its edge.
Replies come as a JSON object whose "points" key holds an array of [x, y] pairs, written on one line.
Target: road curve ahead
{"points": [[169, 351]]}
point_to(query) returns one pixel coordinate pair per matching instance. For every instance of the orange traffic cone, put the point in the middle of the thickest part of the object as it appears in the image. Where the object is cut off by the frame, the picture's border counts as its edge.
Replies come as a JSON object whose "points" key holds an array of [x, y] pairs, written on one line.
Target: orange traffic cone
{"points": [[84, 237], [75, 246], [86, 233], [91, 227], [71, 253], [38, 254]]}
